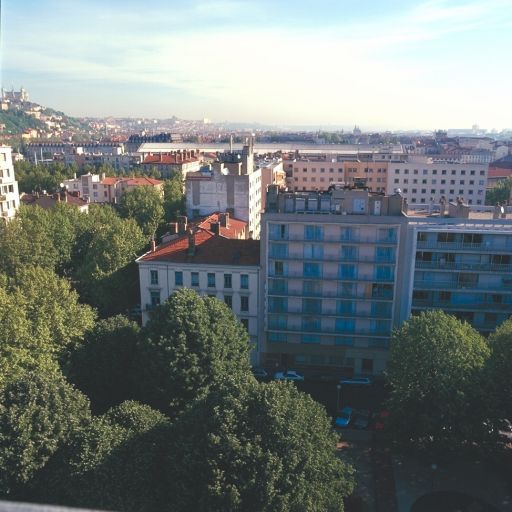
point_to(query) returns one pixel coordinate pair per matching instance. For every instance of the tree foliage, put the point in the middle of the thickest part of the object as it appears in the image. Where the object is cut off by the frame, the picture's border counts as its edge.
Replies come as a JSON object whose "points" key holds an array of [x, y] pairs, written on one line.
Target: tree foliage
{"points": [[257, 447], [192, 343], [42, 321], [38, 412], [115, 462], [434, 370], [146, 206], [499, 371], [174, 198], [106, 367], [499, 193]]}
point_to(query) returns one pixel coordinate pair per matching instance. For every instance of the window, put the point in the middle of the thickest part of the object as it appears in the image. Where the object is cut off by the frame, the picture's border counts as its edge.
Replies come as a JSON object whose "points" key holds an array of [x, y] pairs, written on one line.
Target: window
{"points": [[347, 271], [244, 278], [344, 325], [244, 303], [311, 338], [312, 306], [155, 298], [310, 323], [278, 250], [154, 276], [211, 280], [278, 232], [245, 323], [313, 232], [313, 251], [384, 272], [228, 300], [312, 269], [194, 278], [227, 281], [178, 278]]}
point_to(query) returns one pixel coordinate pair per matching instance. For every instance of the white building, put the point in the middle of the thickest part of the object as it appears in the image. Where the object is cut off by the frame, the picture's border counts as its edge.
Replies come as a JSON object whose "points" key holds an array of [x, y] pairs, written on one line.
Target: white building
{"points": [[211, 264], [9, 196], [423, 181], [232, 185]]}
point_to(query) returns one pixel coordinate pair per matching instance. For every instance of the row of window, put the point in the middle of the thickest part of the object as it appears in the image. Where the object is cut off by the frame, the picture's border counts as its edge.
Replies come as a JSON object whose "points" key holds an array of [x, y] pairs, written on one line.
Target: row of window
{"points": [[194, 279], [316, 232], [228, 299], [405, 181], [443, 172]]}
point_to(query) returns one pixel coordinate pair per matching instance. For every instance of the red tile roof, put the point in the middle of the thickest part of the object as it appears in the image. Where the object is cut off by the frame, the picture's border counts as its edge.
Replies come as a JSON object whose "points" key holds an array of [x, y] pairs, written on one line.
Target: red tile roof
{"points": [[49, 201], [143, 180], [209, 249], [234, 228]]}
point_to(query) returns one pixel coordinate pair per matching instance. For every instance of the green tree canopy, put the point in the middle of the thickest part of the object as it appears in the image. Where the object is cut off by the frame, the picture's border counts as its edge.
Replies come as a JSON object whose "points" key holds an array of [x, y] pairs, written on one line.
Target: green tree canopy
{"points": [[42, 320], [499, 371], [174, 198], [434, 367], [38, 412], [146, 206], [192, 343], [106, 367], [256, 447], [115, 462], [500, 193]]}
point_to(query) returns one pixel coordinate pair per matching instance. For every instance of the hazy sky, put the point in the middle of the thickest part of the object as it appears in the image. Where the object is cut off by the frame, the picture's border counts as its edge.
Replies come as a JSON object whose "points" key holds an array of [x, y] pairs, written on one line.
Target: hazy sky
{"points": [[380, 64]]}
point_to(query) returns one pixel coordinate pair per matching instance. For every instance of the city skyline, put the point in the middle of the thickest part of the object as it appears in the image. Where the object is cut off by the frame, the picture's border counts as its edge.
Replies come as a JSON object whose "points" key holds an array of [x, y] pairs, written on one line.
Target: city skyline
{"points": [[421, 65]]}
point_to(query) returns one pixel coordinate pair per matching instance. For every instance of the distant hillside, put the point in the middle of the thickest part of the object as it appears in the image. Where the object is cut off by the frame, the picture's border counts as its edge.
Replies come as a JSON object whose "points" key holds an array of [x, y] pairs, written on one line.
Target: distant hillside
{"points": [[16, 121]]}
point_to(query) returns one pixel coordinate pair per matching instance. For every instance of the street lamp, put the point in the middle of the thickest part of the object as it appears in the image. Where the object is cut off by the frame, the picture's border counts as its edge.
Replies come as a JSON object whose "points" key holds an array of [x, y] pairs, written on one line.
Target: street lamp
{"points": [[338, 387]]}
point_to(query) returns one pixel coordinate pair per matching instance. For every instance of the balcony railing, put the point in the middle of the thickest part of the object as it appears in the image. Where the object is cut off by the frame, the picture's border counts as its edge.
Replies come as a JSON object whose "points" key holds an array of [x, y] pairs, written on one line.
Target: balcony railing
{"points": [[504, 286], [443, 246], [478, 267], [333, 239], [436, 304], [334, 257]]}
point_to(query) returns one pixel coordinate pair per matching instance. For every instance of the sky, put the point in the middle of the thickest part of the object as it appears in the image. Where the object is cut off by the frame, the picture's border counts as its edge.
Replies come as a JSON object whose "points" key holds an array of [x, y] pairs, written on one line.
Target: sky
{"points": [[379, 64]]}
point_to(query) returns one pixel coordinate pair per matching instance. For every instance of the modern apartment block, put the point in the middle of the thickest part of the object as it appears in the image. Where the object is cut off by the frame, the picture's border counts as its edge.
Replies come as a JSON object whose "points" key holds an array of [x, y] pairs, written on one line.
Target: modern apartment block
{"points": [[9, 196], [331, 267], [464, 268], [340, 269], [424, 181]]}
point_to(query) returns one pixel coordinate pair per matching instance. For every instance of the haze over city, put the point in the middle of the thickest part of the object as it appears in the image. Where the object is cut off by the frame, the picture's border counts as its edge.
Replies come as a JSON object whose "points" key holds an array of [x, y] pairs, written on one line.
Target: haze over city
{"points": [[398, 65]]}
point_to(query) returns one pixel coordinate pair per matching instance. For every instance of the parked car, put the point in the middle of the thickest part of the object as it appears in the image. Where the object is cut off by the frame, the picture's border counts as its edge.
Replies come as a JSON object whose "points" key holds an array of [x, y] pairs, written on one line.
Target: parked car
{"points": [[344, 417], [361, 418], [361, 381], [260, 373], [289, 375]]}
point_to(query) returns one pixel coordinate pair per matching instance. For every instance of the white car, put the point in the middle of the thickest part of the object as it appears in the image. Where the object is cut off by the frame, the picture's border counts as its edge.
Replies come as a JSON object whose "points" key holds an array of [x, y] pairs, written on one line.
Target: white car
{"points": [[289, 375]]}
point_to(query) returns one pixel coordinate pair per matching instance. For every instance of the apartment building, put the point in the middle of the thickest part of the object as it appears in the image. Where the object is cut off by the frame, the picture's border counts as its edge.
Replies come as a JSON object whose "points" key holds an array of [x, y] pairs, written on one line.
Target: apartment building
{"points": [[424, 181], [210, 262], [463, 268], [107, 189], [330, 270], [232, 185], [340, 269], [9, 195]]}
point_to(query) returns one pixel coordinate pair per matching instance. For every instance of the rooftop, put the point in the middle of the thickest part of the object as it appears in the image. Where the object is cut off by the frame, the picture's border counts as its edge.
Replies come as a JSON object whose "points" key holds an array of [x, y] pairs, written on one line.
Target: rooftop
{"points": [[209, 249]]}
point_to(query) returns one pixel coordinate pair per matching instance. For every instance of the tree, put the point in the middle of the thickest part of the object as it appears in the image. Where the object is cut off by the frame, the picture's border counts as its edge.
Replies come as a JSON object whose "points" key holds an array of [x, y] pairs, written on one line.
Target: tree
{"points": [[115, 462], [145, 205], [174, 198], [499, 193], [191, 343], [42, 321], [106, 366], [256, 447], [435, 362], [499, 371], [38, 412], [106, 274]]}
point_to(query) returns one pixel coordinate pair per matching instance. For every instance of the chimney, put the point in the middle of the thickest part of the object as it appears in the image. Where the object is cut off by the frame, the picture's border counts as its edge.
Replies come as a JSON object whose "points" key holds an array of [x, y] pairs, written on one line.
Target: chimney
{"points": [[224, 220], [173, 228], [153, 245], [215, 228], [191, 242], [182, 224]]}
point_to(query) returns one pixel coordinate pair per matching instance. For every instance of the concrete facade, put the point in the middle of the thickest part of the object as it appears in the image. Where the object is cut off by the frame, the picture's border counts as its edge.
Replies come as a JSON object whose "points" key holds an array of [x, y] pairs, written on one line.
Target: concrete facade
{"points": [[9, 195]]}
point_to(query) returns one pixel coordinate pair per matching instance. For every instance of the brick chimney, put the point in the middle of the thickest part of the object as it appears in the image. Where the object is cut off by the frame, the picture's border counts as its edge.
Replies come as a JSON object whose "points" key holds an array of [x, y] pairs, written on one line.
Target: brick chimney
{"points": [[191, 242], [182, 224], [215, 228], [224, 220]]}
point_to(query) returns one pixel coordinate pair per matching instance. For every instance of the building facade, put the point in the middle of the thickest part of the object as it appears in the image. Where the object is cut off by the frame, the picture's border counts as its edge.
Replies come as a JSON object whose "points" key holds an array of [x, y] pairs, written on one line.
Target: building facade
{"points": [[211, 264], [423, 181], [9, 195]]}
